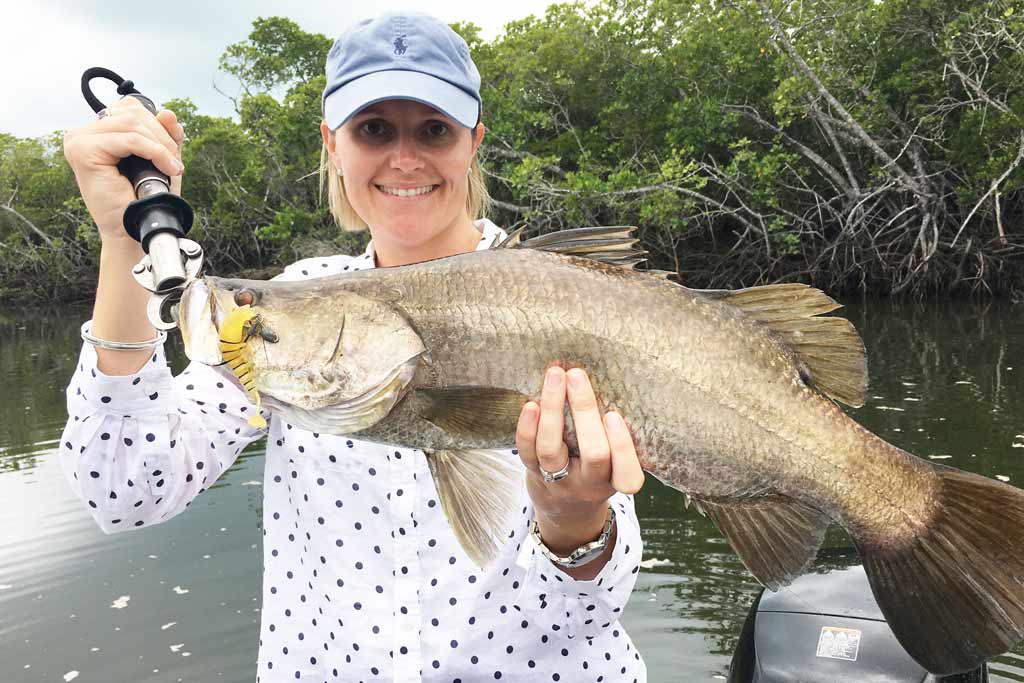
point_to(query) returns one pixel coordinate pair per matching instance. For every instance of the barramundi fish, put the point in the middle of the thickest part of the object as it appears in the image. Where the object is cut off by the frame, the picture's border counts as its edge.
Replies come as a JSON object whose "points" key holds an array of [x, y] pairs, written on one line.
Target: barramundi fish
{"points": [[730, 397]]}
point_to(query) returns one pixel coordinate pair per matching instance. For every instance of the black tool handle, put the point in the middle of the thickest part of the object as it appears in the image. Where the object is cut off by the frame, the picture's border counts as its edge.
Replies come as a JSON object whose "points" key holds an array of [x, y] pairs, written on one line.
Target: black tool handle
{"points": [[156, 209], [134, 168]]}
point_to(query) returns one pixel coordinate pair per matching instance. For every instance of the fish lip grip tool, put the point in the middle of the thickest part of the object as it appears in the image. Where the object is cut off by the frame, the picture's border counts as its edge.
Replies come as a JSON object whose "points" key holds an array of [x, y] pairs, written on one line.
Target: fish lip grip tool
{"points": [[158, 219]]}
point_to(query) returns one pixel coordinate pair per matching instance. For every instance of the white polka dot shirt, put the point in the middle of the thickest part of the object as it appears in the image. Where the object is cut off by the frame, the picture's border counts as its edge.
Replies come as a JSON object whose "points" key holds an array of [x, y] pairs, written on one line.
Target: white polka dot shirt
{"points": [[363, 579]]}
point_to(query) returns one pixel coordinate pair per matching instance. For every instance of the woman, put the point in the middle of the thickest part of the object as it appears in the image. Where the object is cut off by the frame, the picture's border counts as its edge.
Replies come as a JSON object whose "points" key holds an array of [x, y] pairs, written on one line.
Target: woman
{"points": [[363, 578]]}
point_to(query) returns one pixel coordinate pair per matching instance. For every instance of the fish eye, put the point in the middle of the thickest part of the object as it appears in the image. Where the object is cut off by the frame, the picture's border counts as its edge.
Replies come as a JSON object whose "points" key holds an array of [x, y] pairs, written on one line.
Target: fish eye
{"points": [[245, 297]]}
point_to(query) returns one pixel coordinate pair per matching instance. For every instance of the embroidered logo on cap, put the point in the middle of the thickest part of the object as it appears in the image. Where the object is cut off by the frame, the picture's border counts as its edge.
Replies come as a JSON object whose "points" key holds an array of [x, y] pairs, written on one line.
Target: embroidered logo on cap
{"points": [[400, 46]]}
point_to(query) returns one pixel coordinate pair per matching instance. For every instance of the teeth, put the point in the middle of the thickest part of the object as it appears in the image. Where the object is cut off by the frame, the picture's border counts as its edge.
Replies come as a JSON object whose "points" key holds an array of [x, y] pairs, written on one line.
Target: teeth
{"points": [[399, 192]]}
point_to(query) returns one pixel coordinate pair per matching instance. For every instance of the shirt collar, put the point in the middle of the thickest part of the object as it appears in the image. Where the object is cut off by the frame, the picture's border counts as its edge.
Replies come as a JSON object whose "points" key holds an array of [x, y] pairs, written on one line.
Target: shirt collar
{"points": [[490, 234]]}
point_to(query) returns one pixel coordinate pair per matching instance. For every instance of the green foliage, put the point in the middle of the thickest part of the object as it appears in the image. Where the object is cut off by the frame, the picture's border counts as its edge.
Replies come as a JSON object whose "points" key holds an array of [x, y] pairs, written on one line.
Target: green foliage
{"points": [[277, 54], [748, 159], [751, 141]]}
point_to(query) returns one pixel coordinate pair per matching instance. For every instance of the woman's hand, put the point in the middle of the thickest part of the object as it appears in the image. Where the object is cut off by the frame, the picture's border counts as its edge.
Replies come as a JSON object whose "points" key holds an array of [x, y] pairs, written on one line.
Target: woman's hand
{"points": [[573, 511], [93, 151]]}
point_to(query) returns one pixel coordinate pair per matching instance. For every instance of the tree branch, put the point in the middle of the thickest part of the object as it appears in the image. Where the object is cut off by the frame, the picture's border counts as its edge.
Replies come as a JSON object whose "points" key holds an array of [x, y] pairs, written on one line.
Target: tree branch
{"points": [[509, 207], [992, 188], [42, 235], [508, 153], [780, 38], [751, 114]]}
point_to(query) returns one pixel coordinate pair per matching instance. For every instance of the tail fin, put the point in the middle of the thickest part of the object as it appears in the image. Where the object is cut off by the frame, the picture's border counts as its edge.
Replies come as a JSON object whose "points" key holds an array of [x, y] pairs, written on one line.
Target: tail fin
{"points": [[955, 595]]}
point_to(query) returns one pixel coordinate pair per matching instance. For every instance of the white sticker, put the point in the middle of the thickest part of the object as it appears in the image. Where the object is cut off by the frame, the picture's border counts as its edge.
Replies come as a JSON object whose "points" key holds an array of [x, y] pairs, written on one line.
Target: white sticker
{"points": [[839, 643]]}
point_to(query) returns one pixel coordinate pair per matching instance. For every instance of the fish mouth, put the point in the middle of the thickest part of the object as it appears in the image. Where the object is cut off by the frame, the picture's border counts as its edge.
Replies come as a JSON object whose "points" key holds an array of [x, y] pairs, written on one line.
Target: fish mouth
{"points": [[199, 320]]}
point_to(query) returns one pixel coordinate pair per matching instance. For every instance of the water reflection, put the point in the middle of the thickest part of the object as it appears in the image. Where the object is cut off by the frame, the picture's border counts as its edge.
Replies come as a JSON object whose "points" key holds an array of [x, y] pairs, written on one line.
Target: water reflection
{"points": [[954, 380], [36, 354], [947, 381]]}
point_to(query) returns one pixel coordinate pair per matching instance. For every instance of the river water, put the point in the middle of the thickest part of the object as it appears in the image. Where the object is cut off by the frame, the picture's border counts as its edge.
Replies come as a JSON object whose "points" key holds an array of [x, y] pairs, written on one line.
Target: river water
{"points": [[181, 601]]}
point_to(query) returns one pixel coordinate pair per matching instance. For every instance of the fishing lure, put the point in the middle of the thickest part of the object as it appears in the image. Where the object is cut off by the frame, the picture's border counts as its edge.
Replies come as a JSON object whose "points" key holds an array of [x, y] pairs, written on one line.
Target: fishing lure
{"points": [[241, 325]]}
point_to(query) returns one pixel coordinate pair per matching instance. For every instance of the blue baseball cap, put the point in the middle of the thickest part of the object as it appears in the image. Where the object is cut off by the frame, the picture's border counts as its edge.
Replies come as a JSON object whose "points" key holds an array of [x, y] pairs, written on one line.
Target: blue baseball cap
{"points": [[405, 56]]}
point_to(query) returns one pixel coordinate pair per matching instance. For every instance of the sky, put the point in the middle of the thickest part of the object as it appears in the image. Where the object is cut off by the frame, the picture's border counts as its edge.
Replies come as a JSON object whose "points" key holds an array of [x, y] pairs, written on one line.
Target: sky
{"points": [[169, 49]]}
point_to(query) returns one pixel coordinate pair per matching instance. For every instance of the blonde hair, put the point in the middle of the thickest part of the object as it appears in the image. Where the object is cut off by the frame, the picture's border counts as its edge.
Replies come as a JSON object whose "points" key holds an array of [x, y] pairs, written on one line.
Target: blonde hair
{"points": [[478, 201]]}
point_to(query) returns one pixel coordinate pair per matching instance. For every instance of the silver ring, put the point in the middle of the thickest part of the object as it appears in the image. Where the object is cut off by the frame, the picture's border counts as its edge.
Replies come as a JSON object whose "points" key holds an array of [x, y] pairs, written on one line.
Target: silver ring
{"points": [[102, 112], [561, 474]]}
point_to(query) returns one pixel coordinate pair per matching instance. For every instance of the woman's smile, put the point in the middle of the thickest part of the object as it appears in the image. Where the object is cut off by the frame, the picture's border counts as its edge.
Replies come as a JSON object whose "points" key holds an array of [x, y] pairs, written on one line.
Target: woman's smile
{"points": [[407, 192]]}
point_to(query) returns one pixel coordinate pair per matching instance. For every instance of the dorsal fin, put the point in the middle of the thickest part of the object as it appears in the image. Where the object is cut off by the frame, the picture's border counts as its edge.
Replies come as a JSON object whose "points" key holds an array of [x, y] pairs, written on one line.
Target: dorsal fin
{"points": [[612, 245], [830, 348]]}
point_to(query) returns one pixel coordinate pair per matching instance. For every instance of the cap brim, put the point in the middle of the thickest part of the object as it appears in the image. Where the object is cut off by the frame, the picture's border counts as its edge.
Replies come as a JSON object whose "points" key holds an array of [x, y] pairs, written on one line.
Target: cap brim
{"points": [[356, 95]]}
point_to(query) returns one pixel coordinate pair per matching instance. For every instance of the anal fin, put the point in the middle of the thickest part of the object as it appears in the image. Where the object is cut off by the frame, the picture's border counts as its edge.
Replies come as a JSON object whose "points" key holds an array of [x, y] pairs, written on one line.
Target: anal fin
{"points": [[776, 537]]}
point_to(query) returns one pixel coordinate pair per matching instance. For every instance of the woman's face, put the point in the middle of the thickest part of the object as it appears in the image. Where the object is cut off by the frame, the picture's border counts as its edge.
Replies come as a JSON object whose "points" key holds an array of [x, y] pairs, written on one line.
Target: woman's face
{"points": [[405, 169]]}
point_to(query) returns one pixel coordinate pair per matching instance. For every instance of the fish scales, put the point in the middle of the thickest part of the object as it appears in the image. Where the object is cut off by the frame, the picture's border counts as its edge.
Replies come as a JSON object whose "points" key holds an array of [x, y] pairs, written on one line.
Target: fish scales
{"points": [[768, 430], [527, 324], [726, 394]]}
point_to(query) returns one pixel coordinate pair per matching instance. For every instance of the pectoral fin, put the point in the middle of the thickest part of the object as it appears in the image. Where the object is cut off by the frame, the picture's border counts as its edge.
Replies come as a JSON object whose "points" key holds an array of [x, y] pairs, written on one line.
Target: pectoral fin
{"points": [[479, 490], [776, 537], [477, 413]]}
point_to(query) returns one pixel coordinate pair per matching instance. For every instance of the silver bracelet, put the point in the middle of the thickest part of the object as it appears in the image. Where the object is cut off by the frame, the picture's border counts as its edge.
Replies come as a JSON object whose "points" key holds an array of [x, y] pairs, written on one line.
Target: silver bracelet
{"points": [[161, 337], [586, 553]]}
